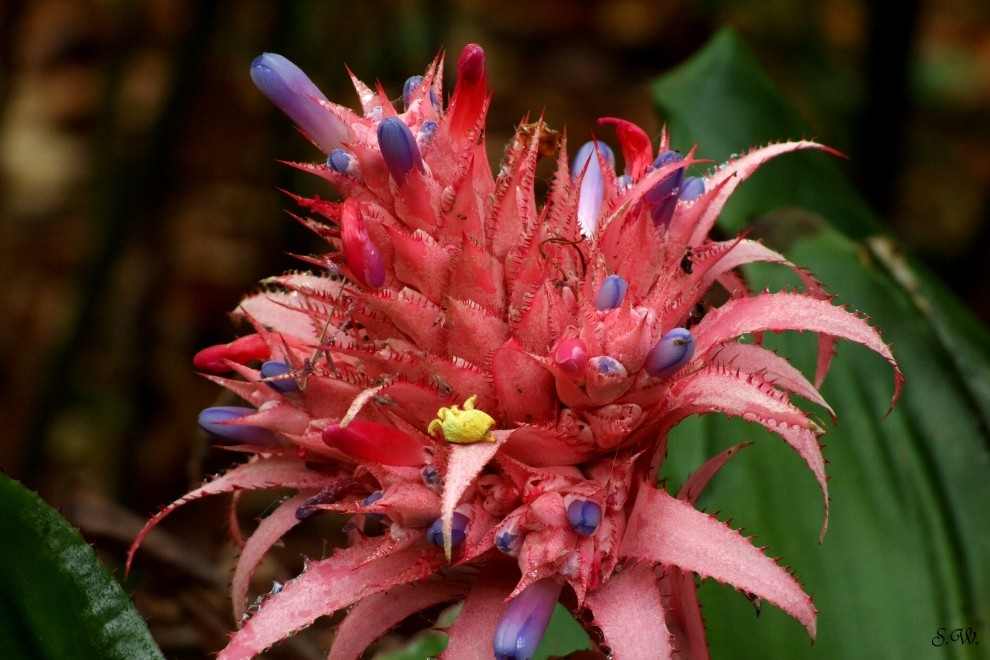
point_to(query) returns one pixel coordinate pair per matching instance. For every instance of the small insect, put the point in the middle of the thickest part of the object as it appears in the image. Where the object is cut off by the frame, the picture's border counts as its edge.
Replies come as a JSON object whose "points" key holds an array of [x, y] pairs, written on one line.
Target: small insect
{"points": [[697, 313], [686, 264], [549, 139], [285, 376]]}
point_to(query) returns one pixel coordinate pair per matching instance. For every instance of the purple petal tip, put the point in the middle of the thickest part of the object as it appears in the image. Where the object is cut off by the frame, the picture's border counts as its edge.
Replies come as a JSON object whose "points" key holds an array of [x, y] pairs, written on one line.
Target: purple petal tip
{"points": [[673, 351], [584, 516], [294, 93], [521, 628], [399, 148], [218, 422]]}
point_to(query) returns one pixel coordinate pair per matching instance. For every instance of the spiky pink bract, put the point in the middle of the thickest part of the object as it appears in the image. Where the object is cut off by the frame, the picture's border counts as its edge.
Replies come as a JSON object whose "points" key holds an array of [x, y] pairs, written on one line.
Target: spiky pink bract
{"points": [[571, 323]]}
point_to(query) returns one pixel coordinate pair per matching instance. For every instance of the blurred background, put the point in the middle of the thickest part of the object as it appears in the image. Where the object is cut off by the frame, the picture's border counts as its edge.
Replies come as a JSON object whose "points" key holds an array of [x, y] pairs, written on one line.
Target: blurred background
{"points": [[139, 191]]}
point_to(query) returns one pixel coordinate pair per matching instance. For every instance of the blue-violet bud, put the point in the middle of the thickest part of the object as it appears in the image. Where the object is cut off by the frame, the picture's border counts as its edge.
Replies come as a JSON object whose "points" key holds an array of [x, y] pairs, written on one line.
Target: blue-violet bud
{"points": [[409, 88], [294, 93], [661, 199], [327, 495], [584, 516], [508, 542], [608, 366], [611, 294], [521, 628], [592, 185], [431, 477], [673, 351], [342, 162], [458, 530], [424, 136], [399, 148], [371, 499], [692, 188], [216, 422], [279, 376]]}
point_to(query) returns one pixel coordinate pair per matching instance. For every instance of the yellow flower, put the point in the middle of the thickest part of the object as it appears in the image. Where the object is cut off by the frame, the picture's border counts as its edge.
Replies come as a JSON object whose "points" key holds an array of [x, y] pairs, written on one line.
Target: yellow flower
{"points": [[463, 426]]}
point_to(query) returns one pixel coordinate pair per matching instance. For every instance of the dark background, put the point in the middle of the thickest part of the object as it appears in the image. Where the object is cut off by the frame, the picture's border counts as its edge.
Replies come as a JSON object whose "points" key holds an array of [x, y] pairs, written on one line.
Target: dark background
{"points": [[138, 189]]}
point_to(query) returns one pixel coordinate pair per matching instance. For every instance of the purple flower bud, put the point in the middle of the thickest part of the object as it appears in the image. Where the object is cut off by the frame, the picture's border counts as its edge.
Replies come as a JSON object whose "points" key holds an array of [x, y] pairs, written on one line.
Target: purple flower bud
{"points": [[431, 477], [287, 86], [398, 147], [327, 495], [458, 530], [409, 88], [611, 294], [673, 351], [341, 162], [424, 136], [584, 516], [281, 376], [215, 422], [661, 199], [692, 188], [371, 499], [521, 627], [508, 542], [592, 185], [607, 366], [666, 158]]}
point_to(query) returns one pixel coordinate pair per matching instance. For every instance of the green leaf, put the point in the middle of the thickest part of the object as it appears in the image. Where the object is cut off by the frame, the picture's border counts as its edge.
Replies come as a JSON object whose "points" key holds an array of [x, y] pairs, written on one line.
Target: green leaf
{"points": [[427, 644], [57, 600], [908, 549]]}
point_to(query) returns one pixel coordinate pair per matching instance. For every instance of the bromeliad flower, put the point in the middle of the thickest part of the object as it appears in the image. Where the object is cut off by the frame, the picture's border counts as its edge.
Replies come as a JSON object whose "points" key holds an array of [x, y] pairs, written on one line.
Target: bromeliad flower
{"points": [[484, 384]]}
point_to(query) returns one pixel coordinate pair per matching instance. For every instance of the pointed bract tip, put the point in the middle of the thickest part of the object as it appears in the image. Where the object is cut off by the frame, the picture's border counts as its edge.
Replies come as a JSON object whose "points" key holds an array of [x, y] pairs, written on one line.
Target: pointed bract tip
{"points": [[220, 423], [399, 148], [294, 93], [521, 628], [673, 351]]}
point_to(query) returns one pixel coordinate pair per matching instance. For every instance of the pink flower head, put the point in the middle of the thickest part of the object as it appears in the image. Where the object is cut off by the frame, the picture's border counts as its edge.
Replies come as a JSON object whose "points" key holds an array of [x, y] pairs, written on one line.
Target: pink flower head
{"points": [[491, 378]]}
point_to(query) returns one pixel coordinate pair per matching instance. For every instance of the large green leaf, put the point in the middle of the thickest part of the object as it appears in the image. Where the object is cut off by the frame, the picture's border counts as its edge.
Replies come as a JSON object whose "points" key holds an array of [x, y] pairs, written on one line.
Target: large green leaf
{"points": [[908, 547], [56, 599]]}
